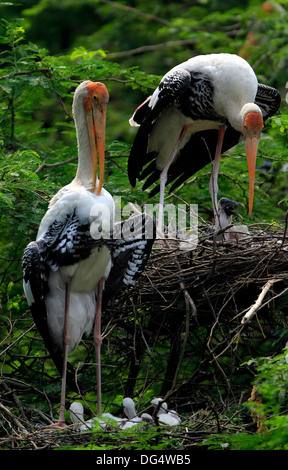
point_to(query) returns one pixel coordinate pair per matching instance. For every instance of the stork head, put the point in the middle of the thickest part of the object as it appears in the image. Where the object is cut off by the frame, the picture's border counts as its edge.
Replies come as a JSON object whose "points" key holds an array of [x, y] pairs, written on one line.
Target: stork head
{"points": [[229, 207], [160, 406], [95, 105], [76, 412], [252, 127], [129, 408], [93, 97]]}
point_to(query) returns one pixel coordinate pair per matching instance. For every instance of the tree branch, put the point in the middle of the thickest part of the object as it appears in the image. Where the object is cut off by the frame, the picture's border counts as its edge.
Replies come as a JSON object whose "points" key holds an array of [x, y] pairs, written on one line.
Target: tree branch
{"points": [[154, 47], [137, 12], [251, 312], [52, 165], [46, 72]]}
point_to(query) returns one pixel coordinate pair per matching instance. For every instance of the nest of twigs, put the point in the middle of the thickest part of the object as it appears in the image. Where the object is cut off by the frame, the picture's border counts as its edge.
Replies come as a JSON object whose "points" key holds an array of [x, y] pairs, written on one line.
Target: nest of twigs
{"points": [[219, 270], [230, 289], [211, 307], [215, 272]]}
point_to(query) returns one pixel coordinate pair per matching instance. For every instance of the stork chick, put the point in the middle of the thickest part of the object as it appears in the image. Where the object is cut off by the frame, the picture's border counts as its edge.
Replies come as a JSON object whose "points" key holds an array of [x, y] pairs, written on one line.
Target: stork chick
{"points": [[227, 209]]}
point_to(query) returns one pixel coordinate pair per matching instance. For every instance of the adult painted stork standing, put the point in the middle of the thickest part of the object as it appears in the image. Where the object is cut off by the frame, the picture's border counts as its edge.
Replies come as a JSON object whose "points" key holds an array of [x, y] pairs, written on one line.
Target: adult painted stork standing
{"points": [[75, 251], [200, 109]]}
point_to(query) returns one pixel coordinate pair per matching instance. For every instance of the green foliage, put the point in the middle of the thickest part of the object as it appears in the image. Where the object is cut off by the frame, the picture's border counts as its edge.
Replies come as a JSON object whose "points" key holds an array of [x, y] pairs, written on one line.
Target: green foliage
{"points": [[268, 408], [133, 439]]}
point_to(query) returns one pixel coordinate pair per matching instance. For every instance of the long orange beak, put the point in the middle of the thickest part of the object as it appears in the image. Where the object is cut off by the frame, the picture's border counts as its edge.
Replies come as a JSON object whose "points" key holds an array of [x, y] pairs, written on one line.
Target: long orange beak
{"points": [[252, 127], [95, 108]]}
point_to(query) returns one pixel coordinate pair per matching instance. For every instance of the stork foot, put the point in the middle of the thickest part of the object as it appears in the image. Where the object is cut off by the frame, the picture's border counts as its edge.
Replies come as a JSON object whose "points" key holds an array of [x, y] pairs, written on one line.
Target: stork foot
{"points": [[58, 425]]}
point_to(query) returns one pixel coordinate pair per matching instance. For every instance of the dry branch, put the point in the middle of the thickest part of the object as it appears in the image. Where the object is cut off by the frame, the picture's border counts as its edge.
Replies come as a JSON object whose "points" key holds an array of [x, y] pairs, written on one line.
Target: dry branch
{"points": [[53, 165], [253, 310]]}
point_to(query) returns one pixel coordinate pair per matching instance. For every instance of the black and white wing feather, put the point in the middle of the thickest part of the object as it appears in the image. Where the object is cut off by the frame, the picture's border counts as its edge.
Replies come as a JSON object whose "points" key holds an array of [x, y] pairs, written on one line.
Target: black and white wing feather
{"points": [[130, 254], [35, 282], [203, 146], [268, 99], [171, 87], [69, 241], [63, 244], [191, 93]]}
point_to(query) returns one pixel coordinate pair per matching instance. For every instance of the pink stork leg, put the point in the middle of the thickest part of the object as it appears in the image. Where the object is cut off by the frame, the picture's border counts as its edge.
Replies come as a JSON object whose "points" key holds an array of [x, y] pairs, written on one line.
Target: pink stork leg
{"points": [[213, 184], [66, 340], [97, 343], [163, 180]]}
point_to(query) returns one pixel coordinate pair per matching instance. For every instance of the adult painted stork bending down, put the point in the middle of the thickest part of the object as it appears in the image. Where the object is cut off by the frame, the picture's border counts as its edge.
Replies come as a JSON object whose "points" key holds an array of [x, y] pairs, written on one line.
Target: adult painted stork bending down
{"points": [[200, 109], [74, 253]]}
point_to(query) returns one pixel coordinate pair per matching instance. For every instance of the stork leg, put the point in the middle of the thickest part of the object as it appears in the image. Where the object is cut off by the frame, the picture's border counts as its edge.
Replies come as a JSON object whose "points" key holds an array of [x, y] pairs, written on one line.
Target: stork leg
{"points": [[66, 340], [213, 184], [97, 343], [163, 180]]}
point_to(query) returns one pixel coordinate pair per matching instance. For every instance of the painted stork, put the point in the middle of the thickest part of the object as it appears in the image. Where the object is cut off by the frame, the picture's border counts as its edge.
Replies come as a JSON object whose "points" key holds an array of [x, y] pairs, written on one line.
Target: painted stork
{"points": [[165, 416], [200, 109], [226, 210], [75, 252], [77, 417], [131, 419]]}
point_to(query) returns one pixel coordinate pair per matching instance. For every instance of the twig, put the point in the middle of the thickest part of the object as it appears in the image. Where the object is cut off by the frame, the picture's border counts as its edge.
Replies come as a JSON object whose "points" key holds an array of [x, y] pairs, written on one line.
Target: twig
{"points": [[17, 340], [188, 301], [53, 165], [259, 301], [136, 11], [285, 230], [149, 48], [46, 72], [13, 418]]}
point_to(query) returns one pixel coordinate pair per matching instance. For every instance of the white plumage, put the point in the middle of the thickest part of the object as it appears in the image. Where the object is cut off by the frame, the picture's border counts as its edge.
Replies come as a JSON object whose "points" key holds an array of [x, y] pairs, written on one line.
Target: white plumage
{"points": [[131, 419], [226, 209], [77, 417], [201, 108], [65, 268], [77, 199], [165, 416], [234, 90]]}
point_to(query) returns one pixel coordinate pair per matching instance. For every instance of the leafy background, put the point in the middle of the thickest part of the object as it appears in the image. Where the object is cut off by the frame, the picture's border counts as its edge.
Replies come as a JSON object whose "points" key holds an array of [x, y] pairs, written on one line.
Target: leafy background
{"points": [[47, 48]]}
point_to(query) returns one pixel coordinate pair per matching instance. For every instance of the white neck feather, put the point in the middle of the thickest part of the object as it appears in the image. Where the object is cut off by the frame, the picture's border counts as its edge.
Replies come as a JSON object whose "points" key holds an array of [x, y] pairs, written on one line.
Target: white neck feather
{"points": [[235, 87], [84, 172], [223, 220]]}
